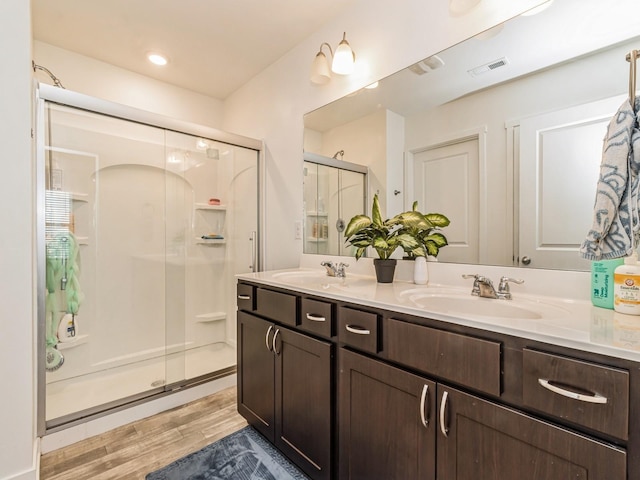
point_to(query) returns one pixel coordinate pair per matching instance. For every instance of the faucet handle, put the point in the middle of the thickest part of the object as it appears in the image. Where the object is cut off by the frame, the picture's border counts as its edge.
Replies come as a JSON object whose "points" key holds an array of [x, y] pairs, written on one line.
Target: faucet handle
{"points": [[331, 268], [476, 277], [503, 286], [340, 269]]}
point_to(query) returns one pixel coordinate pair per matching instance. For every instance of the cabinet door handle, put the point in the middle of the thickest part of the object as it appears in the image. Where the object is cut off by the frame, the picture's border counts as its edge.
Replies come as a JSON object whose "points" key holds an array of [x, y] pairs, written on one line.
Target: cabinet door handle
{"points": [[273, 342], [424, 417], [266, 338], [443, 413], [595, 398], [358, 330], [244, 297], [315, 318]]}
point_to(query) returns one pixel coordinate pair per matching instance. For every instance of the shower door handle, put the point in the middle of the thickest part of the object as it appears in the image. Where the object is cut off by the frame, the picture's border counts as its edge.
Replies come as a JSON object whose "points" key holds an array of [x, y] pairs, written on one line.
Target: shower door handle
{"points": [[253, 246]]}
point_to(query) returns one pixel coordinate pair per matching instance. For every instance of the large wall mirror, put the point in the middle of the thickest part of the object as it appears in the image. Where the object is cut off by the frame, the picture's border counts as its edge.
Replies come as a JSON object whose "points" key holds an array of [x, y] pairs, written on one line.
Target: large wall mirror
{"points": [[502, 133], [334, 191]]}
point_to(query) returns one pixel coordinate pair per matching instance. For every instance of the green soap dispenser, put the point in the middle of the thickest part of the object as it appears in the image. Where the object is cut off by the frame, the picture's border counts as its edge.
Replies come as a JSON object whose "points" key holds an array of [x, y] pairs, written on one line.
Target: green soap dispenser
{"points": [[602, 281]]}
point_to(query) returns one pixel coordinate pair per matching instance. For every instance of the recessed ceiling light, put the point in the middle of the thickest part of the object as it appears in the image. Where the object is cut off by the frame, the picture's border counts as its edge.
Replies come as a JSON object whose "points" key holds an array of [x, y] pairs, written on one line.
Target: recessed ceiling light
{"points": [[157, 59]]}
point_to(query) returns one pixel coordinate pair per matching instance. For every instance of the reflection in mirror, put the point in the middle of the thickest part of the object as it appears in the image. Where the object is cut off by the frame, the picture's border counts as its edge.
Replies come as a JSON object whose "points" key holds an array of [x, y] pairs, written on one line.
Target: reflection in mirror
{"points": [[502, 133], [334, 191]]}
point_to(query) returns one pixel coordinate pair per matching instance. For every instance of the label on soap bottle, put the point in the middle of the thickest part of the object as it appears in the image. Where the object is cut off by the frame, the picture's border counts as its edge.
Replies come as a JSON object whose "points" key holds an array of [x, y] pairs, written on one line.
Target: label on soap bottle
{"points": [[627, 293]]}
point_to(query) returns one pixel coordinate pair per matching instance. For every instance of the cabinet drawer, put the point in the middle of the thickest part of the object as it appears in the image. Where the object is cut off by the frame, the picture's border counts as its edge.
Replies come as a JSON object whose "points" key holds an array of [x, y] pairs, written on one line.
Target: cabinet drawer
{"points": [[277, 306], [469, 361], [316, 317], [595, 396], [246, 297], [358, 329]]}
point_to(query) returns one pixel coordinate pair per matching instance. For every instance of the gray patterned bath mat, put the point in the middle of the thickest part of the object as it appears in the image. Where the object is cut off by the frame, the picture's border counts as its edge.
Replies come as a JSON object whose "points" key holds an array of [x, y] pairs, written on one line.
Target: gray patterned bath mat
{"points": [[243, 455]]}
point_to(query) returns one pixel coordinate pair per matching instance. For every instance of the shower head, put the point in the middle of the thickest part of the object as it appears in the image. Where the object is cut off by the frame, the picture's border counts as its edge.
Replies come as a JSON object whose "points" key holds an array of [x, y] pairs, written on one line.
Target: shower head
{"points": [[339, 152]]}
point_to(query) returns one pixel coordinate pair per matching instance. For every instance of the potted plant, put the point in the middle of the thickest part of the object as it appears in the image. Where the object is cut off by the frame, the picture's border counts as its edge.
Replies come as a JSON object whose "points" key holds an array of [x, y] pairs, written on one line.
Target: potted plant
{"points": [[427, 234], [384, 236]]}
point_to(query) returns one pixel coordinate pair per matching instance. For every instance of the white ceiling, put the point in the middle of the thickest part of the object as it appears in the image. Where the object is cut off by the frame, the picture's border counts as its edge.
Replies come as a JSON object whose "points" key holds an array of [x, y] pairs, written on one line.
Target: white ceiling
{"points": [[214, 46]]}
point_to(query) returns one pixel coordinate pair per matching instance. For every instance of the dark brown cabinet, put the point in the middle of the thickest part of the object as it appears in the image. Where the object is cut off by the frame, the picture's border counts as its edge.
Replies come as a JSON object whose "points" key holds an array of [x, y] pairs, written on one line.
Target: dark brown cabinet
{"points": [[480, 440], [285, 391], [387, 421], [425, 400]]}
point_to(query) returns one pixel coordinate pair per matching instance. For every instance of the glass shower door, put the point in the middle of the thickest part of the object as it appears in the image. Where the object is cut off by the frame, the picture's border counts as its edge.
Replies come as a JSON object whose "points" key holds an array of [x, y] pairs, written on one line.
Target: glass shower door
{"points": [[144, 231], [212, 199]]}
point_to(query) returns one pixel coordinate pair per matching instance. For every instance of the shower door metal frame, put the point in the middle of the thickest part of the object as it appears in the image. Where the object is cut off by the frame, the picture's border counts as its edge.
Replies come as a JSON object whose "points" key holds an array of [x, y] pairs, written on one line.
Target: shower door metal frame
{"points": [[46, 93]]}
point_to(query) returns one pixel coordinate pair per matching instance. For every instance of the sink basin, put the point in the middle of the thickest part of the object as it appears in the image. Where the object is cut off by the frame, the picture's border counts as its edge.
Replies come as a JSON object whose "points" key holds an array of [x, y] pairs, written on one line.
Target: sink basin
{"points": [[468, 305]]}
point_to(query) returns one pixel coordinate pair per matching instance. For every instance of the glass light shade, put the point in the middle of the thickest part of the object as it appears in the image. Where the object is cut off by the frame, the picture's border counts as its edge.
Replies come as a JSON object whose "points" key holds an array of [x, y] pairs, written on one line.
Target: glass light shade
{"points": [[344, 59], [320, 73]]}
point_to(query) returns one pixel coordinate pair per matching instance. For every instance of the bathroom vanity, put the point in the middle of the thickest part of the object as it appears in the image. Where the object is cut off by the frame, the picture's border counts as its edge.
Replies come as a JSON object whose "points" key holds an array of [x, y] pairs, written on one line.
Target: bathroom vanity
{"points": [[356, 380]]}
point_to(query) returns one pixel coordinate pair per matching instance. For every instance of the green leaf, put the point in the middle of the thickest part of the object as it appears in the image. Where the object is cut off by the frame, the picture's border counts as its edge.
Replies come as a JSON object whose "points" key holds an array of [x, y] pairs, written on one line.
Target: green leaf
{"points": [[376, 217], [432, 249], [356, 224], [412, 219], [415, 206], [436, 238], [437, 219], [407, 241]]}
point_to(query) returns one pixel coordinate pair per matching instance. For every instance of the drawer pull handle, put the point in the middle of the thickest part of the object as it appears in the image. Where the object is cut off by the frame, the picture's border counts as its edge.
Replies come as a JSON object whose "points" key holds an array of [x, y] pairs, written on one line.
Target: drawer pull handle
{"points": [[266, 337], [273, 342], [424, 417], [595, 398], [315, 318], [357, 330], [244, 297], [443, 413]]}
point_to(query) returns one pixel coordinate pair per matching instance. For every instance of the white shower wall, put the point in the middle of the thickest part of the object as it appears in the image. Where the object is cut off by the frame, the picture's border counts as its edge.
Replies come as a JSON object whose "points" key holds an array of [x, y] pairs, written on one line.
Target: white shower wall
{"points": [[157, 297]]}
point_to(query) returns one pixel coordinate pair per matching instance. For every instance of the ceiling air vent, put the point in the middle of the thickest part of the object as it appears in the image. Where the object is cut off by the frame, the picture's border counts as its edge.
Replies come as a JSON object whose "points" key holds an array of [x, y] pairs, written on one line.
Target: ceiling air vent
{"points": [[427, 65], [487, 67]]}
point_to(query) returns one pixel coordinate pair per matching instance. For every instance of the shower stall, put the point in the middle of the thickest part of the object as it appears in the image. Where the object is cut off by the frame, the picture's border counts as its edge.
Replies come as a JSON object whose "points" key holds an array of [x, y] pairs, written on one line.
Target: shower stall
{"points": [[143, 222]]}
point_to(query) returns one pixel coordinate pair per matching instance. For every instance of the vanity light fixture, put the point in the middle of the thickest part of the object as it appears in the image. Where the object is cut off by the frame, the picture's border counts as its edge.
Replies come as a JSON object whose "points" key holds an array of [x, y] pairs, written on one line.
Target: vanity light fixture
{"points": [[343, 62], [157, 59]]}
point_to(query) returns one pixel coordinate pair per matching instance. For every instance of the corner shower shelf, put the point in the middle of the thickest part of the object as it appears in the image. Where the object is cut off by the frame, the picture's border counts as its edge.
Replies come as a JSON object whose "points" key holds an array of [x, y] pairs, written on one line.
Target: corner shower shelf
{"points": [[317, 214], [206, 206], [211, 317], [79, 340], [317, 240], [79, 197], [210, 241]]}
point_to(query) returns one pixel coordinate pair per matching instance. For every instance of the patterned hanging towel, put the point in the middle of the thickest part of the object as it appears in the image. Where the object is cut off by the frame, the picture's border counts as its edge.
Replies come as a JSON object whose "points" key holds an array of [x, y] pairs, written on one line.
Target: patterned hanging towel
{"points": [[616, 224]]}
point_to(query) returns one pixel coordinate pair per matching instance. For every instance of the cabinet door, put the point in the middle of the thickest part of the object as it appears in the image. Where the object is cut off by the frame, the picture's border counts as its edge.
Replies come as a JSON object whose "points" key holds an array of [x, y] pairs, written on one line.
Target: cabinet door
{"points": [[303, 427], [480, 440], [256, 374], [387, 421]]}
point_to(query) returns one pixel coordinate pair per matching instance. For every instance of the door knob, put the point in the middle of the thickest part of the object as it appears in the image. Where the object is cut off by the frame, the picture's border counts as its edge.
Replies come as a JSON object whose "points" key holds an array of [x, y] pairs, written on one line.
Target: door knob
{"points": [[526, 260]]}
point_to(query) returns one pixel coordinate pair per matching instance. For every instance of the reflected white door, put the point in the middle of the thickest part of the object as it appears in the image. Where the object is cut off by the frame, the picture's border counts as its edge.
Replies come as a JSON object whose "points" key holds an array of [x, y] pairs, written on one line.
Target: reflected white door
{"points": [[446, 180], [560, 154]]}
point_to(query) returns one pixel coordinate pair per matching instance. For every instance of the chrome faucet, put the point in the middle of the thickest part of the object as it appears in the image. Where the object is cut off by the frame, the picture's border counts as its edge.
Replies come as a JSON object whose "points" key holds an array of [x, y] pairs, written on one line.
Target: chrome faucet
{"points": [[483, 286], [335, 269]]}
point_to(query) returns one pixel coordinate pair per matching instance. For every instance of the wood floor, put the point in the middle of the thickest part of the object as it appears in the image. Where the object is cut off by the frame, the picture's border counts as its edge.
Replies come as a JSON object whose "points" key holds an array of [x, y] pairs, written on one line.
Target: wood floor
{"points": [[133, 450]]}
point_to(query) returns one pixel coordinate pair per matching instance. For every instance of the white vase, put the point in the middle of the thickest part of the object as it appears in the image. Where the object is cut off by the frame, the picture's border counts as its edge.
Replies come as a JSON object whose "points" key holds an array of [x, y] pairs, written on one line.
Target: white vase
{"points": [[420, 273]]}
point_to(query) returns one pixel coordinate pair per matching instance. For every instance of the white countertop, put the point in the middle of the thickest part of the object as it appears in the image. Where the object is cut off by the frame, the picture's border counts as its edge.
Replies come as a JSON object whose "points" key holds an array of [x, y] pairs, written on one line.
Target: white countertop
{"points": [[572, 323]]}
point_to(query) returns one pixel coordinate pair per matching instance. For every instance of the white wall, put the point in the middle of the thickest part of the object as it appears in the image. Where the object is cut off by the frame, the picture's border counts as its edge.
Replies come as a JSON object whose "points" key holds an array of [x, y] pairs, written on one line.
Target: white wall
{"points": [[17, 415], [102, 80], [270, 107]]}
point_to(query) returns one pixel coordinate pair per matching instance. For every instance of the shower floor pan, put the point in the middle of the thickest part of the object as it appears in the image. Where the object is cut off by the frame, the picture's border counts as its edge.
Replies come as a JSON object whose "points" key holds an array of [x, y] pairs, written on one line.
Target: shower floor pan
{"points": [[73, 395]]}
